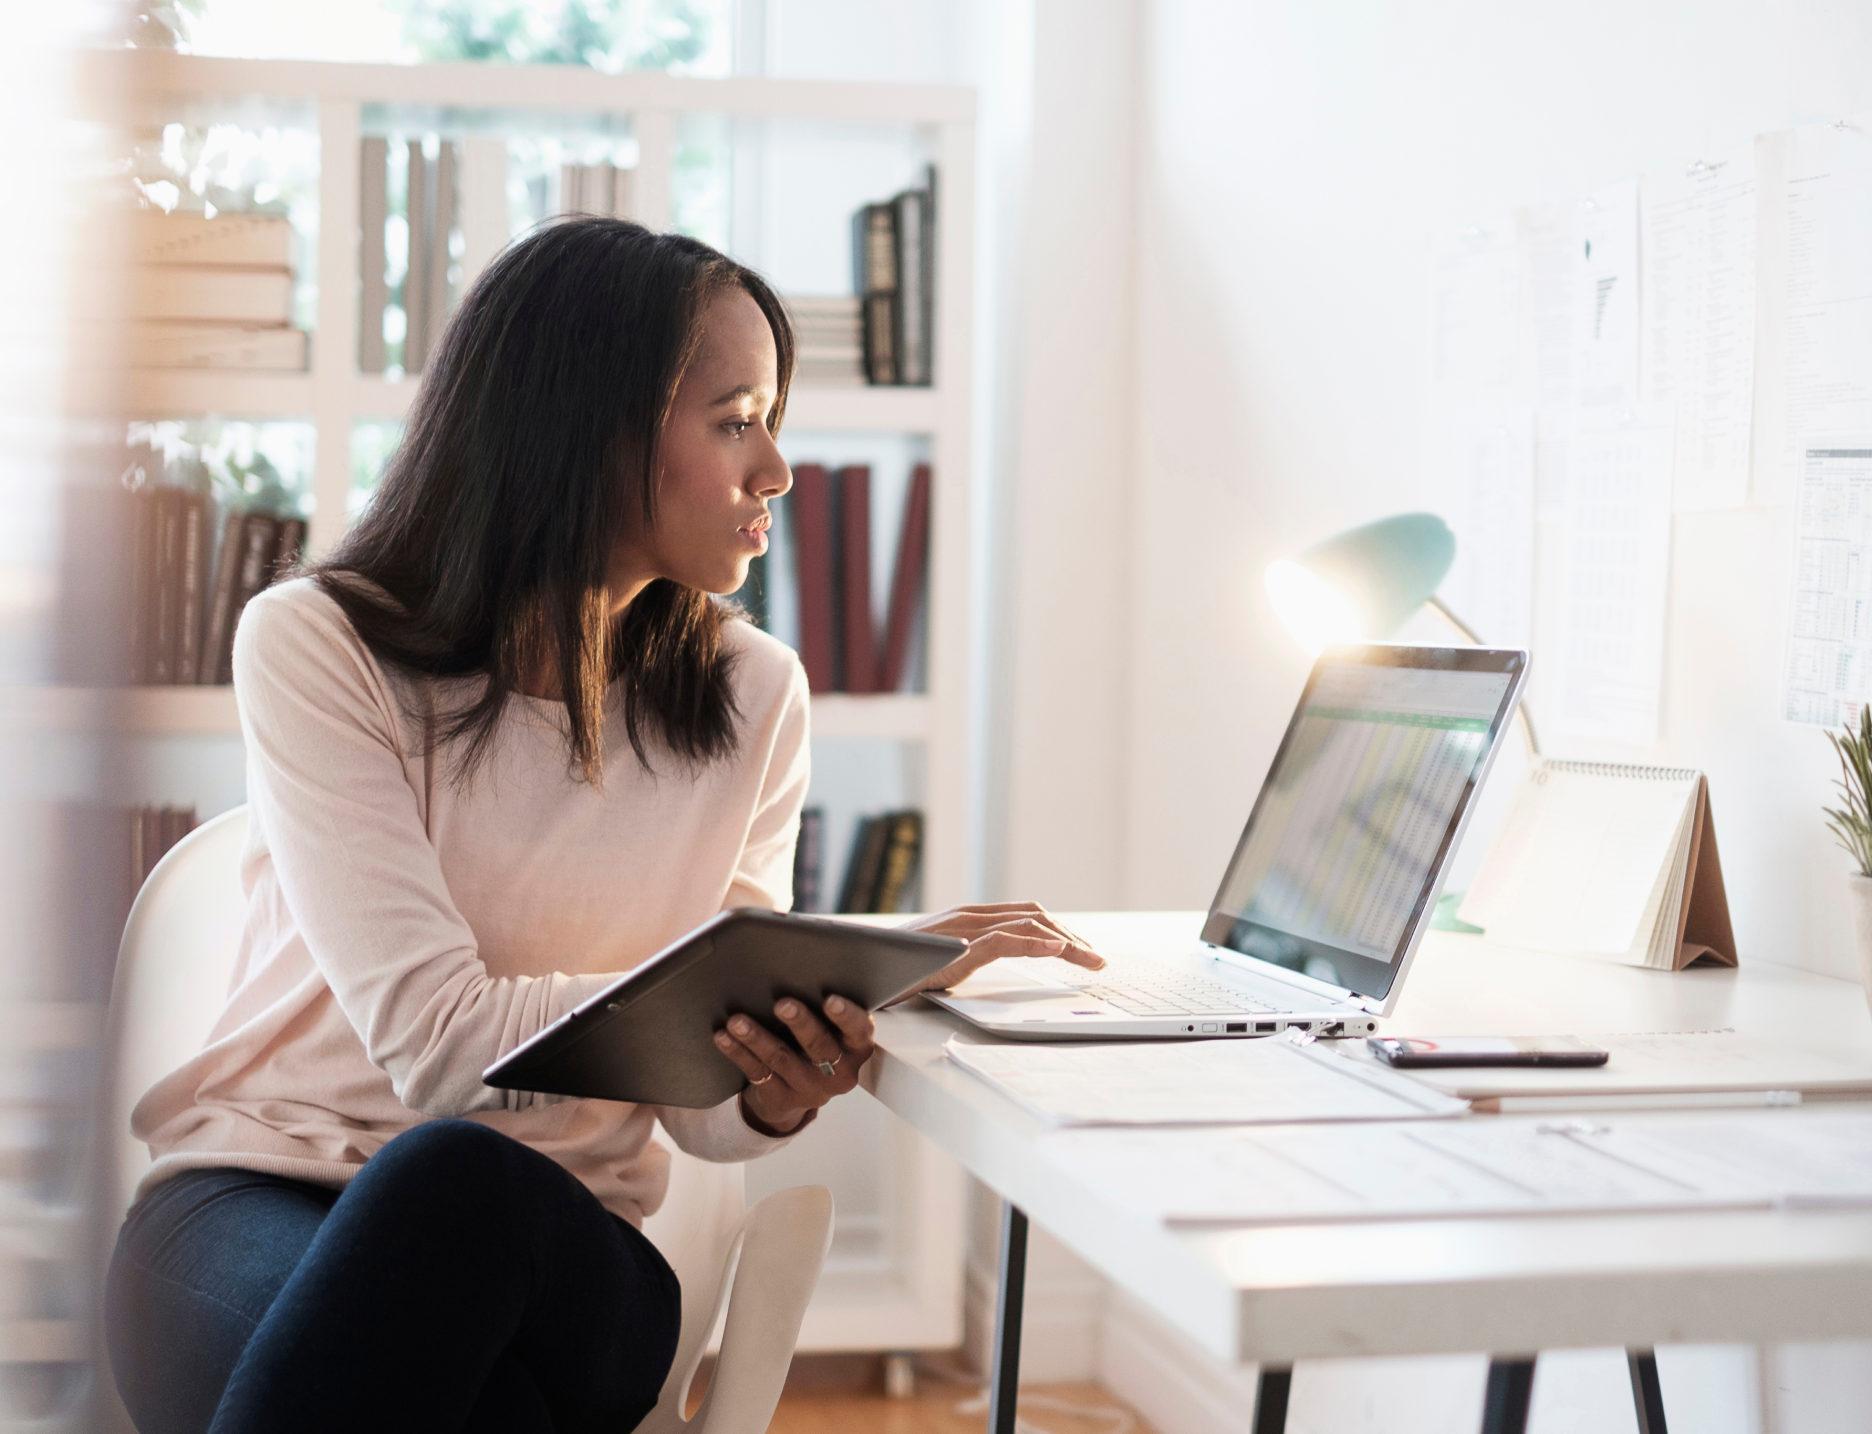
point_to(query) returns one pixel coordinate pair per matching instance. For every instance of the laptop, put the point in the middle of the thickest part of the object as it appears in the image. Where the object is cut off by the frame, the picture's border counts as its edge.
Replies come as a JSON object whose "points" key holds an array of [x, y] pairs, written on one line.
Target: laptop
{"points": [[1333, 882]]}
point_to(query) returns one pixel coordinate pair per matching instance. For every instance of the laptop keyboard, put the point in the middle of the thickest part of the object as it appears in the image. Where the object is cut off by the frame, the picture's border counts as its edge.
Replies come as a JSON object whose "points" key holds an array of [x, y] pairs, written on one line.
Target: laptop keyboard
{"points": [[1168, 995]]}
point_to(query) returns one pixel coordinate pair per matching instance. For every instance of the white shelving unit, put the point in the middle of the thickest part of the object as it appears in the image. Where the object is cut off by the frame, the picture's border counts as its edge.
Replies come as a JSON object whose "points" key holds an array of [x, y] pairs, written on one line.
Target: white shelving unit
{"points": [[906, 1292]]}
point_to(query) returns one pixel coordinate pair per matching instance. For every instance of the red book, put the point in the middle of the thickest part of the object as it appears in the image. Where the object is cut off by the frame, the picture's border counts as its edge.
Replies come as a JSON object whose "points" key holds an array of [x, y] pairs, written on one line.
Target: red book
{"points": [[854, 500], [813, 560], [907, 580]]}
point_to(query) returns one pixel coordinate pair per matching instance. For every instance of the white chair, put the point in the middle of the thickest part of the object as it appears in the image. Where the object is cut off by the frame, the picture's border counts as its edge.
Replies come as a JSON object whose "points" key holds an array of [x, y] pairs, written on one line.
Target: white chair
{"points": [[172, 978]]}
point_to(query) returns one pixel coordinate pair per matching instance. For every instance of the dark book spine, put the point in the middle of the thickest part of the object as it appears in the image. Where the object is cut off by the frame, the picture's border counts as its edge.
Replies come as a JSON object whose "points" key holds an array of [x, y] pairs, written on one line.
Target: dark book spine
{"points": [[143, 547], [288, 549], [902, 850], [862, 867], [814, 563], [879, 284], [907, 581], [195, 540], [219, 627], [854, 500], [259, 534], [808, 859], [166, 627], [880, 338], [912, 310]]}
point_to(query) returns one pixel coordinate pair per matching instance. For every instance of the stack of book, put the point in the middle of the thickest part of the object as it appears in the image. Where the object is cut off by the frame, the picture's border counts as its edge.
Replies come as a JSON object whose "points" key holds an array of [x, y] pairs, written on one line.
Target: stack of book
{"points": [[893, 258], [830, 341], [430, 210], [601, 189], [213, 293], [186, 594], [829, 521], [880, 873]]}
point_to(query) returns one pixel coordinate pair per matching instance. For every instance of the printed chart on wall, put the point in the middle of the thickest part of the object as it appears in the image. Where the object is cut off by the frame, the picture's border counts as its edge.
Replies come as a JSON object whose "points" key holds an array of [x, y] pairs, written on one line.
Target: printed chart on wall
{"points": [[1829, 662], [1614, 578], [1698, 298], [1816, 283]]}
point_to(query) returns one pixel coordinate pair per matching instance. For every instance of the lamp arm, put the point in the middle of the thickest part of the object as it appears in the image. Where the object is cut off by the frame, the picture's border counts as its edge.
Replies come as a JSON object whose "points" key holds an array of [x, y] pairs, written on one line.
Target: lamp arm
{"points": [[1469, 634]]}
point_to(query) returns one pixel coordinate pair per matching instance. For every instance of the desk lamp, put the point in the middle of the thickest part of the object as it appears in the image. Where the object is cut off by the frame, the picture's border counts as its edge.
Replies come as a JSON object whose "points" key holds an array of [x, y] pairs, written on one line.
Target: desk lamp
{"points": [[1361, 585]]}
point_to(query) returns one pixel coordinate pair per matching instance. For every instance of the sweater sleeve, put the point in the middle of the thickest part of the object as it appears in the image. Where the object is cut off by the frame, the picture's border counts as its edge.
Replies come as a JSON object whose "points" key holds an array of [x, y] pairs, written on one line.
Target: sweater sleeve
{"points": [[764, 878], [330, 794]]}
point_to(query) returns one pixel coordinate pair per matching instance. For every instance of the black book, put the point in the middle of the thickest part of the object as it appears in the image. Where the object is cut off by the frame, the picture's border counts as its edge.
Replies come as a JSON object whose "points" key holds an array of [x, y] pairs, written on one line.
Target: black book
{"points": [[859, 893], [143, 551], [259, 537], [902, 849], [218, 623], [876, 281], [166, 619], [808, 859]]}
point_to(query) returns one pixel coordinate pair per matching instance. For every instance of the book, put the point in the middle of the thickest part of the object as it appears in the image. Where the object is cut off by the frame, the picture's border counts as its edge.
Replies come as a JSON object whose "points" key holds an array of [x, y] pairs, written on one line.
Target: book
{"points": [[153, 831], [814, 561], [172, 344], [166, 590], [808, 859], [192, 601], [912, 309], [875, 280], [143, 552], [864, 865], [255, 240], [416, 272], [252, 562], [373, 213], [288, 549], [903, 849], [907, 582], [1602, 859], [441, 221], [253, 297], [860, 669], [218, 620]]}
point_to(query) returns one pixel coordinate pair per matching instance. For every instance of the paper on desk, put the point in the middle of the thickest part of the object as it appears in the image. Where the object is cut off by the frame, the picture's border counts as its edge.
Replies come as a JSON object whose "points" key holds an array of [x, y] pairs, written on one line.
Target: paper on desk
{"points": [[1196, 1083], [1649, 1064], [1501, 1166]]}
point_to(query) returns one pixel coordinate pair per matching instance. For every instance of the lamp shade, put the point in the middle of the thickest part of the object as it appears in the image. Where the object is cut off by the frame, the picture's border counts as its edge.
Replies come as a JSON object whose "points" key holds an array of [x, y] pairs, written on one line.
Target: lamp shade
{"points": [[1363, 583]]}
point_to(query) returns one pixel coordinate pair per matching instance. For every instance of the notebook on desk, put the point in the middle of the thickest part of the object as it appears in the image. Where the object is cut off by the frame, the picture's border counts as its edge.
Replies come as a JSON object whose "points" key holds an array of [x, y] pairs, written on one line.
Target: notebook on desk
{"points": [[1331, 886]]}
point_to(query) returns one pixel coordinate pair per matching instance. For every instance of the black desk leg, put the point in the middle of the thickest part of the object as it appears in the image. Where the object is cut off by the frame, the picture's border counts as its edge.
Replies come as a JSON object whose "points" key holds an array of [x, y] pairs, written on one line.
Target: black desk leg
{"points": [[1271, 1391], [1510, 1387], [1004, 1388], [1646, 1393]]}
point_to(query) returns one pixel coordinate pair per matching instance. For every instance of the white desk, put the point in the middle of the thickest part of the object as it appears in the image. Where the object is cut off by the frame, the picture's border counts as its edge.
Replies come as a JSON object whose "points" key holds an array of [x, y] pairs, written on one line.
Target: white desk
{"points": [[1506, 1286]]}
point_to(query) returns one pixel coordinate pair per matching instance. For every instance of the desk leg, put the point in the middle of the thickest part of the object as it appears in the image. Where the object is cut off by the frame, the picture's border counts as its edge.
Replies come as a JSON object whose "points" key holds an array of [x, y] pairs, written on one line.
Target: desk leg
{"points": [[1510, 1386], [1004, 1388], [1647, 1394], [1271, 1390]]}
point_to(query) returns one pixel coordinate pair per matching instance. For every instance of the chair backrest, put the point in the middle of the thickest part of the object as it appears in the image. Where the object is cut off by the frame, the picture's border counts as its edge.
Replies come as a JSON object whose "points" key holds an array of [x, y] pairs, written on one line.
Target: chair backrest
{"points": [[173, 968], [172, 979]]}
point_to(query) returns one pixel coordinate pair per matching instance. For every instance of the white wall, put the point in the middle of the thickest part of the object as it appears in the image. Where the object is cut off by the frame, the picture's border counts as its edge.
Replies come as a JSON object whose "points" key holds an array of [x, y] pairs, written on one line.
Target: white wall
{"points": [[1298, 159]]}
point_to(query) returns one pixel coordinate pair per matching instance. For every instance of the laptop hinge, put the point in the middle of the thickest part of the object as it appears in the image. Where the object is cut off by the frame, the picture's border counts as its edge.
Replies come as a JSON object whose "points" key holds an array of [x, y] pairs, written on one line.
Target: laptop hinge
{"points": [[1324, 990]]}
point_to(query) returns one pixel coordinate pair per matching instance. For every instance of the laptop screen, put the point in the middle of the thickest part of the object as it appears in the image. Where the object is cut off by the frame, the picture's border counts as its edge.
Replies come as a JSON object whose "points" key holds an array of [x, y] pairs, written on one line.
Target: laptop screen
{"points": [[1347, 842]]}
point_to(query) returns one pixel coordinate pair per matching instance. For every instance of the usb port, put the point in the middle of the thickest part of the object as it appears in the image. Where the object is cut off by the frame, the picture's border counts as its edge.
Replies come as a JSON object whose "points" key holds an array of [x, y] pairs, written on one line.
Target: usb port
{"points": [[1264, 1028], [1299, 1025], [1235, 1028]]}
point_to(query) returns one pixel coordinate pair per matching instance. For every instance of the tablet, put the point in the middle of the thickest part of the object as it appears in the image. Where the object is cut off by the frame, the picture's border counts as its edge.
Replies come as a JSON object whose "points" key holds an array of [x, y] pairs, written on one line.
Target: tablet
{"points": [[650, 1036]]}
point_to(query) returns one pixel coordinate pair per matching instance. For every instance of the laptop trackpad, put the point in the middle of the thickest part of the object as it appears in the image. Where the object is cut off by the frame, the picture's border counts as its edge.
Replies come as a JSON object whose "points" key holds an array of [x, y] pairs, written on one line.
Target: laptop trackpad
{"points": [[1004, 981]]}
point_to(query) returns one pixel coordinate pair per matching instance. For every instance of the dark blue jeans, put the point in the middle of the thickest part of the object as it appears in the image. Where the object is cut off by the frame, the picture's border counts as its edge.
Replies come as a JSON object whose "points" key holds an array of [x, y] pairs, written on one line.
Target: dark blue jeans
{"points": [[460, 1282]]}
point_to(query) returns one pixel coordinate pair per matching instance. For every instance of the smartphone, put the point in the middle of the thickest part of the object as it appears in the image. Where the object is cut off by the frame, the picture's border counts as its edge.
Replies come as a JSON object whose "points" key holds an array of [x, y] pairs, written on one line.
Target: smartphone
{"points": [[1410, 1051]]}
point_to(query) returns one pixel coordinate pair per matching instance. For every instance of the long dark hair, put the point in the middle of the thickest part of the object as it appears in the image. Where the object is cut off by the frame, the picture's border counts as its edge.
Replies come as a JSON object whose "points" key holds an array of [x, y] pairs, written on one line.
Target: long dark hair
{"points": [[531, 445]]}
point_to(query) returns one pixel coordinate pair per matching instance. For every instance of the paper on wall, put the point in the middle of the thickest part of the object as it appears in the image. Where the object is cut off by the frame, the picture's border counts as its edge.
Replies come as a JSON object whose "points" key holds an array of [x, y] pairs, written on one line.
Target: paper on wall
{"points": [[1814, 344], [1488, 501], [1698, 300], [1614, 577], [1478, 303], [1605, 297], [1829, 654]]}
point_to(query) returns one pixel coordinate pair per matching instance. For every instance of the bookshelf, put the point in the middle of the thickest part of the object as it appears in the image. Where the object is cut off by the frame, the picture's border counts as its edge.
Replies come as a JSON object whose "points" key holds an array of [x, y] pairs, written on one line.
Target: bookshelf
{"points": [[899, 1285]]}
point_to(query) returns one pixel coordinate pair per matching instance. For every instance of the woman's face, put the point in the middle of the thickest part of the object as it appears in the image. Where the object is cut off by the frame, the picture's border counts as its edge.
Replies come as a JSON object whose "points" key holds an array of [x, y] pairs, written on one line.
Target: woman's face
{"points": [[719, 468]]}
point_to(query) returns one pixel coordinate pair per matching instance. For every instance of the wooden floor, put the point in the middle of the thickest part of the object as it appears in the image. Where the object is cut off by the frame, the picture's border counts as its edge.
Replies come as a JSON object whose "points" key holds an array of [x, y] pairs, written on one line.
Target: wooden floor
{"points": [[844, 1394]]}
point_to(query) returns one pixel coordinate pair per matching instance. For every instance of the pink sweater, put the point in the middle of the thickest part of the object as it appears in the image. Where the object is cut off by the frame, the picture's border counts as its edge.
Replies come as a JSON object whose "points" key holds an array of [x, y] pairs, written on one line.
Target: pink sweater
{"points": [[403, 933]]}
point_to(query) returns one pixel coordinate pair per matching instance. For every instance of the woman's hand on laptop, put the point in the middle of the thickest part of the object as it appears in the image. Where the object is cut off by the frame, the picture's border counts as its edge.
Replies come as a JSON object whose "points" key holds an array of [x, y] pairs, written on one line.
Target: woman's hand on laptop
{"points": [[1013, 928]]}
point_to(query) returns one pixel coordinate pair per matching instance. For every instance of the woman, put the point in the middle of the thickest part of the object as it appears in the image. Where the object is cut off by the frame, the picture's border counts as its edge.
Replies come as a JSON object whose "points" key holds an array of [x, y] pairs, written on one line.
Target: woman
{"points": [[502, 745]]}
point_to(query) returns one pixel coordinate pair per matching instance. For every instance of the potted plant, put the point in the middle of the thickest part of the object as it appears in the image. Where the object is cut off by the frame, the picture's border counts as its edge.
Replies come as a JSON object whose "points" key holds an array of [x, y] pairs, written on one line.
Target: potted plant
{"points": [[1852, 824]]}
